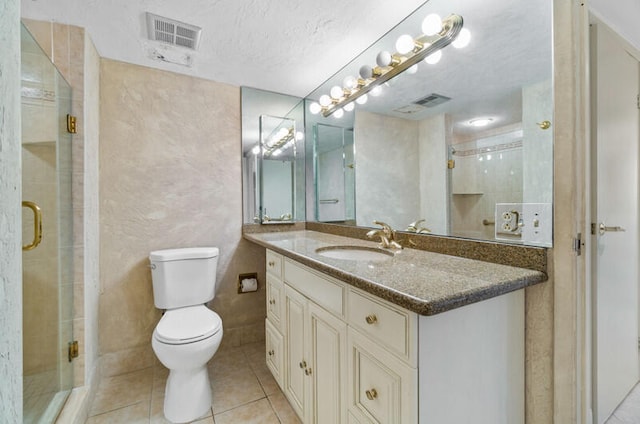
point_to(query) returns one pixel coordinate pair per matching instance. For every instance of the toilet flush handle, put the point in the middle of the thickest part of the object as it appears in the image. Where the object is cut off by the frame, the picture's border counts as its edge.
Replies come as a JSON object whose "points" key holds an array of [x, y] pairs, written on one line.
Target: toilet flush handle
{"points": [[152, 266]]}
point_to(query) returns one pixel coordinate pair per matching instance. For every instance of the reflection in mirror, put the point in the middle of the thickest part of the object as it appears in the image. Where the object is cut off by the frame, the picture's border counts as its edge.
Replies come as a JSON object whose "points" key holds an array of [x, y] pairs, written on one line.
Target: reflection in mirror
{"points": [[462, 143], [334, 165], [272, 166]]}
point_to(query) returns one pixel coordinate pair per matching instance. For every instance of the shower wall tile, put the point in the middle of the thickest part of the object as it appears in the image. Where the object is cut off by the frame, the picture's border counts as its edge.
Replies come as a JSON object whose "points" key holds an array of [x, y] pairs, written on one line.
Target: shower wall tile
{"points": [[170, 176]]}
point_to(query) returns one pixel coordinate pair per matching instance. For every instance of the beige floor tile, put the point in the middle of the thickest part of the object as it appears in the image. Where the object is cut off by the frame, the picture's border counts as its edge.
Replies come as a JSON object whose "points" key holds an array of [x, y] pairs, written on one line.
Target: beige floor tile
{"points": [[133, 414], [268, 383], [160, 374], [229, 363], [234, 391], [258, 412], [283, 409], [123, 390], [253, 348]]}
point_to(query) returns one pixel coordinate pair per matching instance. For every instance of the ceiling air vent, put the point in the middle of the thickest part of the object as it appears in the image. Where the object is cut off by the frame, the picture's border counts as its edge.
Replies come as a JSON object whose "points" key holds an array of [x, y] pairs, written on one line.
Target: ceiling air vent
{"points": [[172, 32], [432, 100]]}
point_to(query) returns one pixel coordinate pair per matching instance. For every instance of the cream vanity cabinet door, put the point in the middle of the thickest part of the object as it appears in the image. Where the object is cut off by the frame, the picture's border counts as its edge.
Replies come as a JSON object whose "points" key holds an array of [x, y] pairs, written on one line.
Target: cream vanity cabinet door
{"points": [[274, 345], [296, 360]]}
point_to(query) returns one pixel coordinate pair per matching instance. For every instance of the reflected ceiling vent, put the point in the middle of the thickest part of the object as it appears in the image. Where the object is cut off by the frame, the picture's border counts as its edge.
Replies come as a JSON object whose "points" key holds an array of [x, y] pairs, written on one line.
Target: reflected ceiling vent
{"points": [[173, 32], [409, 109], [432, 100]]}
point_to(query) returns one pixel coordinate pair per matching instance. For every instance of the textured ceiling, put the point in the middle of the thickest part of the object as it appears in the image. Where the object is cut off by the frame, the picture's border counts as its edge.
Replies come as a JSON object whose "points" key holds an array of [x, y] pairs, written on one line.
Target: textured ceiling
{"points": [[287, 46]]}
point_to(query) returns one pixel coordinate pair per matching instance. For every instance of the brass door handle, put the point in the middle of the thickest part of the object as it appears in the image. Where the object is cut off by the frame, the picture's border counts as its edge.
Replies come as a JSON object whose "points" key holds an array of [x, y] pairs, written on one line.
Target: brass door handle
{"points": [[371, 319], [37, 225], [371, 394]]}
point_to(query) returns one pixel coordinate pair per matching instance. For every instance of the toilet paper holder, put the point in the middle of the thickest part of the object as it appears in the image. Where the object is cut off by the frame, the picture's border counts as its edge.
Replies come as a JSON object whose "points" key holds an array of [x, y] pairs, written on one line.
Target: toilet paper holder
{"points": [[247, 283]]}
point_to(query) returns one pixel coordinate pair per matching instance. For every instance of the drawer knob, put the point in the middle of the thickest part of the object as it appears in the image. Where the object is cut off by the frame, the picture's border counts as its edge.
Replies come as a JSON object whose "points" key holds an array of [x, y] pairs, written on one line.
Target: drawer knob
{"points": [[307, 371], [272, 263], [303, 364], [371, 319], [371, 394], [272, 301], [271, 352]]}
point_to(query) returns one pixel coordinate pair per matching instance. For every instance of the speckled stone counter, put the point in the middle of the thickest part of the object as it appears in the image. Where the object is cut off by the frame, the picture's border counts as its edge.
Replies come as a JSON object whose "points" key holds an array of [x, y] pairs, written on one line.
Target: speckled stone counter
{"points": [[423, 282]]}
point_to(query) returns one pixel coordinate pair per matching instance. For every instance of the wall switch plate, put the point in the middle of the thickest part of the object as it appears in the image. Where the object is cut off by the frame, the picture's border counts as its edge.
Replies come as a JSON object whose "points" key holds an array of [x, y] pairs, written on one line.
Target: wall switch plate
{"points": [[537, 224]]}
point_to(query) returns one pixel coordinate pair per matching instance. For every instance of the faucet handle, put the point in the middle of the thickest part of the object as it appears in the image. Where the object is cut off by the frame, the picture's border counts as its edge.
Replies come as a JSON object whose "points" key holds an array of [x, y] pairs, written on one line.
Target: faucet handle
{"points": [[385, 227]]}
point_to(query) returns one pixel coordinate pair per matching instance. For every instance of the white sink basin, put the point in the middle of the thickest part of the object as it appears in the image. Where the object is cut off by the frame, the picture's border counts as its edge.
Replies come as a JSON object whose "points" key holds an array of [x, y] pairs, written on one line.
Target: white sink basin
{"points": [[355, 253]]}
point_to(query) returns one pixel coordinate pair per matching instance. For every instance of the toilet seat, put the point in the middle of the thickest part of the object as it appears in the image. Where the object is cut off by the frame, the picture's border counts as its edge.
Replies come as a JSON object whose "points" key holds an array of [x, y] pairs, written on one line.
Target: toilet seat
{"points": [[187, 325]]}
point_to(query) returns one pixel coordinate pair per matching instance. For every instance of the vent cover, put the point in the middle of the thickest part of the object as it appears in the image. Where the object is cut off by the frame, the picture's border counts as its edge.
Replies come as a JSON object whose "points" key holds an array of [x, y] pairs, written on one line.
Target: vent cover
{"points": [[173, 32], [432, 100]]}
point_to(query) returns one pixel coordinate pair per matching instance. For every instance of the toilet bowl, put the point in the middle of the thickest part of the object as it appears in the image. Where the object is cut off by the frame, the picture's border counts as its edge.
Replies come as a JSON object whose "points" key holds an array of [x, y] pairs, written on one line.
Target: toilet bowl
{"points": [[188, 334], [184, 341]]}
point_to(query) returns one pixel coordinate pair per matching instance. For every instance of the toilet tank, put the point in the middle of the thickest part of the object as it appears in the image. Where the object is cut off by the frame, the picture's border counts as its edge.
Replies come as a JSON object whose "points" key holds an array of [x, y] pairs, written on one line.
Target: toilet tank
{"points": [[183, 277]]}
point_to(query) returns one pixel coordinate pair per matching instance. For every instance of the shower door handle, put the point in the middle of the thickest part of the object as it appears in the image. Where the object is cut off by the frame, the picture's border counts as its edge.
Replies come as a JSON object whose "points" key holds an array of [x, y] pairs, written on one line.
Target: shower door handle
{"points": [[37, 225]]}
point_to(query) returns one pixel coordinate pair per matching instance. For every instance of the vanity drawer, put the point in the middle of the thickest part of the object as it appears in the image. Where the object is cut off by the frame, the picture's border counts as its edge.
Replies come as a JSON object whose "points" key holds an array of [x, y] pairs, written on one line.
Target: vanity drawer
{"points": [[274, 263], [321, 289], [392, 326], [383, 389], [275, 305]]}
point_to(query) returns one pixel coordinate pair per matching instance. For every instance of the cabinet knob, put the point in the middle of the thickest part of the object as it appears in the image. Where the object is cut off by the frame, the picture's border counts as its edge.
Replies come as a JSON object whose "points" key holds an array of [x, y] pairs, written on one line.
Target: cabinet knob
{"points": [[303, 364], [371, 319], [272, 263], [307, 371], [271, 352], [272, 301], [371, 394]]}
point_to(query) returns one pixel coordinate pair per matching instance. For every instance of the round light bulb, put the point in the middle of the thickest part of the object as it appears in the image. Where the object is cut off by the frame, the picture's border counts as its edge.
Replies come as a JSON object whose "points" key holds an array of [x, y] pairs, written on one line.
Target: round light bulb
{"points": [[412, 69], [350, 82], [405, 44], [376, 91], [283, 132], [325, 100], [338, 113], [432, 24], [299, 136], [366, 71], [349, 107], [336, 92], [463, 39], [480, 122], [276, 152], [362, 99], [315, 108], [433, 58], [255, 150], [384, 58]]}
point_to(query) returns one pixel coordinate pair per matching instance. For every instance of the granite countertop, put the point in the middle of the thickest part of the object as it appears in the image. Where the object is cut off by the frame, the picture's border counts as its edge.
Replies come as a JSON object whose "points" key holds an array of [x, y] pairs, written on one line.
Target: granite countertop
{"points": [[423, 282]]}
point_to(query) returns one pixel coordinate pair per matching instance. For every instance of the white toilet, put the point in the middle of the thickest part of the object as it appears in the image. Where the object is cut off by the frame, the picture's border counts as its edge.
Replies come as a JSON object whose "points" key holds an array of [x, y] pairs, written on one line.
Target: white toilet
{"points": [[189, 333]]}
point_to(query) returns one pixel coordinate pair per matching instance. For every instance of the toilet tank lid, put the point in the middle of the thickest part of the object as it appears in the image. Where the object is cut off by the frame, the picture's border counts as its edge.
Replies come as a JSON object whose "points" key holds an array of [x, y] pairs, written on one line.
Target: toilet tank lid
{"points": [[183, 253]]}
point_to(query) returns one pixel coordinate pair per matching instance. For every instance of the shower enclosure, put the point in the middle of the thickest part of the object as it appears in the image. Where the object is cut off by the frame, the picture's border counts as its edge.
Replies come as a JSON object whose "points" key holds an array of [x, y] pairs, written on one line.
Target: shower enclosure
{"points": [[47, 233]]}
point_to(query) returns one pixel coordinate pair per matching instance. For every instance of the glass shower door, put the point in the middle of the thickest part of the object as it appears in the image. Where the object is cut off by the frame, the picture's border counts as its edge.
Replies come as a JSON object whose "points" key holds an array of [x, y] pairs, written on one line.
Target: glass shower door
{"points": [[47, 261]]}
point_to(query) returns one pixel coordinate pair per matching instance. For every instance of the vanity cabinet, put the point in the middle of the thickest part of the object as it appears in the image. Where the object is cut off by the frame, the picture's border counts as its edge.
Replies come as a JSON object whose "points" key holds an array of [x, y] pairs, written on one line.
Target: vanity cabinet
{"points": [[342, 355]]}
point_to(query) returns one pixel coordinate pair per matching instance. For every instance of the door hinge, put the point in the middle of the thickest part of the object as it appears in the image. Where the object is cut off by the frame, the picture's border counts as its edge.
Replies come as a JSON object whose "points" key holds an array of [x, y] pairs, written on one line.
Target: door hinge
{"points": [[577, 244], [451, 164], [638, 101], [73, 350], [72, 124]]}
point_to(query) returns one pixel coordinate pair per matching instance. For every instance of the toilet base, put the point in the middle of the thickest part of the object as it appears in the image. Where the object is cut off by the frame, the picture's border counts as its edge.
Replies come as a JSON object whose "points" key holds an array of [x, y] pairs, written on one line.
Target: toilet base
{"points": [[187, 395]]}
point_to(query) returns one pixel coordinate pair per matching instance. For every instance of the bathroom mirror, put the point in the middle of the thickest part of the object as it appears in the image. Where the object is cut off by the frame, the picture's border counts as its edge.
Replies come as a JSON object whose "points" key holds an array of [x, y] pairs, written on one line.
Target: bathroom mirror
{"points": [[273, 169], [462, 147]]}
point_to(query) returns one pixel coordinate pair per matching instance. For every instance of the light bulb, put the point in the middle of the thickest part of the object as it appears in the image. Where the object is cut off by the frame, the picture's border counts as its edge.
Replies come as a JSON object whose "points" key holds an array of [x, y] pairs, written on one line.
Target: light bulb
{"points": [[480, 122], [315, 108], [336, 92], [350, 82], [299, 136], [349, 106], [412, 69], [325, 100], [362, 99], [255, 150], [432, 24], [376, 91], [338, 113], [366, 71], [463, 39], [433, 58], [384, 58], [405, 44], [276, 152]]}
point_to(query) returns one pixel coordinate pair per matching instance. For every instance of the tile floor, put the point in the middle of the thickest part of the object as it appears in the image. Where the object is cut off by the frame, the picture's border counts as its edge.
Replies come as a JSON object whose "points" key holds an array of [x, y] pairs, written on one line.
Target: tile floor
{"points": [[243, 392]]}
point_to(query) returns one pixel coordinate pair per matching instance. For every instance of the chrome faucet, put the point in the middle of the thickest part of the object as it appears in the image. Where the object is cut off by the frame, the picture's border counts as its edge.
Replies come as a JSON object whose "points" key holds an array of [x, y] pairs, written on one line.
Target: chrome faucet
{"points": [[415, 227], [387, 236]]}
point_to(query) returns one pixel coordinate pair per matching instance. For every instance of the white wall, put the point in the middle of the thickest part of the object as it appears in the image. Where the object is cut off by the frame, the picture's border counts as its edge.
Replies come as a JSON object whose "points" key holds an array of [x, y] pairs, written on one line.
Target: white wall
{"points": [[621, 16], [10, 226], [434, 202]]}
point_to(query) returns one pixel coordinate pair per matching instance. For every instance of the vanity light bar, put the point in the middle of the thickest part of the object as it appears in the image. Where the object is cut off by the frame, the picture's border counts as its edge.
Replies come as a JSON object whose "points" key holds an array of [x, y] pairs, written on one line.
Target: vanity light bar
{"points": [[424, 46], [281, 142]]}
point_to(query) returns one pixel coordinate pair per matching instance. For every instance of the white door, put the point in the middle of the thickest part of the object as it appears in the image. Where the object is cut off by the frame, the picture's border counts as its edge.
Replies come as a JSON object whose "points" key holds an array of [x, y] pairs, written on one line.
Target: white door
{"points": [[615, 133]]}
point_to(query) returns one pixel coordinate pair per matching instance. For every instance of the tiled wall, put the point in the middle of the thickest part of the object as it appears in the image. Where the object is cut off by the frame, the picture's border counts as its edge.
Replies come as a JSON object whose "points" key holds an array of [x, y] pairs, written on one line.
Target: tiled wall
{"points": [[169, 177], [10, 193]]}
